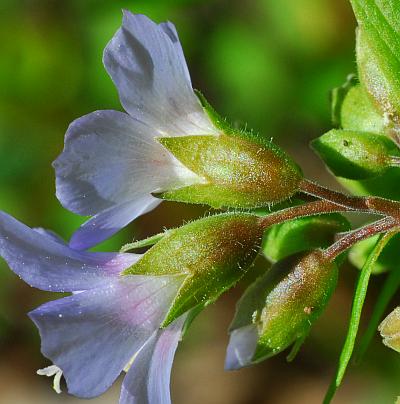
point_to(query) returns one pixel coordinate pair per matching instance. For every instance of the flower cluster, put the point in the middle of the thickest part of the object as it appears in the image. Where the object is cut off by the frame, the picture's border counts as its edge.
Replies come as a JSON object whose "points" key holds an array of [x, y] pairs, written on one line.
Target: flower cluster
{"points": [[126, 312]]}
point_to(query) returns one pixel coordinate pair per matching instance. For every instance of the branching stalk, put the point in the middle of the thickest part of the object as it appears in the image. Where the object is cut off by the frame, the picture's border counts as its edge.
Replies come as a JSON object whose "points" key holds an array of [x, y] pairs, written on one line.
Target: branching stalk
{"points": [[307, 209], [368, 204], [380, 226]]}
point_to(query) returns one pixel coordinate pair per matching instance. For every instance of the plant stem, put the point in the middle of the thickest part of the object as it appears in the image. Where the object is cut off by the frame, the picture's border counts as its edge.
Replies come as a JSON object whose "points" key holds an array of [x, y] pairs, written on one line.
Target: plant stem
{"points": [[369, 204], [369, 230], [306, 209]]}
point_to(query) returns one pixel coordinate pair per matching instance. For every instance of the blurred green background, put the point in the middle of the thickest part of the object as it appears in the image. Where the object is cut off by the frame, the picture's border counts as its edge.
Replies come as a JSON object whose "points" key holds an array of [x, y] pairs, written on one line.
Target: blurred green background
{"points": [[266, 64]]}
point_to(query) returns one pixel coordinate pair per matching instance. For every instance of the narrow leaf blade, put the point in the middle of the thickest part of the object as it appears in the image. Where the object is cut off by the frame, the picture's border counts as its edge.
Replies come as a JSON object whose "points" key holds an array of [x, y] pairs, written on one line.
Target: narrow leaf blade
{"points": [[358, 302]]}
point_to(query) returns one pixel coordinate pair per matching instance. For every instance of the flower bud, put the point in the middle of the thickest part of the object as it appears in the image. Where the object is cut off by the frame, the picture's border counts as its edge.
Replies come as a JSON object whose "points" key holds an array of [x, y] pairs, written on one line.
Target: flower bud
{"points": [[356, 155], [280, 307], [214, 253], [390, 330]]}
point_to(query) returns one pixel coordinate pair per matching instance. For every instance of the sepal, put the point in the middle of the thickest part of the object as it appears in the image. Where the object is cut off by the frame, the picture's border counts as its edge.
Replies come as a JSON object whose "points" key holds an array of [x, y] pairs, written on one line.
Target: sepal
{"points": [[378, 65], [237, 171], [337, 96], [213, 253]]}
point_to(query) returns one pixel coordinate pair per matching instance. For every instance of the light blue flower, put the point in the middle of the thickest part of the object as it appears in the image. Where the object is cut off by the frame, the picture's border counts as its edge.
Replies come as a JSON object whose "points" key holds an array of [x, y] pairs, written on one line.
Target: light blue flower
{"points": [[112, 163], [92, 335]]}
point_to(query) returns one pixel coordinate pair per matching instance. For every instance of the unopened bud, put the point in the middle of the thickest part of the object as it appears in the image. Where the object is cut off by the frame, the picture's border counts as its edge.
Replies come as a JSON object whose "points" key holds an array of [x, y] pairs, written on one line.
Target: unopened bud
{"points": [[356, 155], [280, 307], [214, 253]]}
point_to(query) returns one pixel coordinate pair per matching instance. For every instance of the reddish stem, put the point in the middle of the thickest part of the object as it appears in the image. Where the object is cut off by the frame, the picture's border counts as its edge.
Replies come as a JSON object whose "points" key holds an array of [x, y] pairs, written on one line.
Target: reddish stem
{"points": [[369, 230], [369, 204], [307, 209]]}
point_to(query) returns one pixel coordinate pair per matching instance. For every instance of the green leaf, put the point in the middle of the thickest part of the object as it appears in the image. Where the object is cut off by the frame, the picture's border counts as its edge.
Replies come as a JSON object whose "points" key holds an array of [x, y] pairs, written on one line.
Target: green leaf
{"points": [[302, 234], [359, 253], [358, 302], [378, 51], [356, 155], [359, 113], [389, 289]]}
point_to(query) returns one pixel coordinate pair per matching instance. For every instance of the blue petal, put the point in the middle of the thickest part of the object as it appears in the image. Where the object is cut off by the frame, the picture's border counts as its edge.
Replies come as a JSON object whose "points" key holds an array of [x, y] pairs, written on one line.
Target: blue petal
{"points": [[148, 379], [108, 222], [146, 63], [241, 348], [46, 263], [51, 234], [110, 159], [91, 336], [171, 31], [109, 167]]}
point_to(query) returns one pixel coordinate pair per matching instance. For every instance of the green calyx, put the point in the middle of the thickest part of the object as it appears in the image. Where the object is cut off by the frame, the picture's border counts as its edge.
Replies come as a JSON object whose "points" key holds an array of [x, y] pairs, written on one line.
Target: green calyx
{"points": [[356, 155], [284, 303], [237, 172], [359, 112], [240, 169], [213, 253]]}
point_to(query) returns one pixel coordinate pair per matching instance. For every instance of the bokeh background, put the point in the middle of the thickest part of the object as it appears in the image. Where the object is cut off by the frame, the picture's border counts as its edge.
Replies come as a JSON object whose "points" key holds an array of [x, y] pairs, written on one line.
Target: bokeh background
{"points": [[266, 64]]}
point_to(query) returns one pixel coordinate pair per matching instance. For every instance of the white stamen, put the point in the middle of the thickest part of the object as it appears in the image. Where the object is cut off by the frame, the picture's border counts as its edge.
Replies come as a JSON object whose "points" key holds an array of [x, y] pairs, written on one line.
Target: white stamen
{"points": [[50, 371]]}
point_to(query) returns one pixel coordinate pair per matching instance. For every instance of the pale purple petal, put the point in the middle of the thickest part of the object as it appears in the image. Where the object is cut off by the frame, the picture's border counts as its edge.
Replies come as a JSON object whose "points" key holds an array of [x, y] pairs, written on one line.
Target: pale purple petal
{"points": [[109, 159], [241, 347], [109, 167], [51, 234], [146, 63], [91, 336], [171, 31], [109, 221], [47, 264], [148, 379]]}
